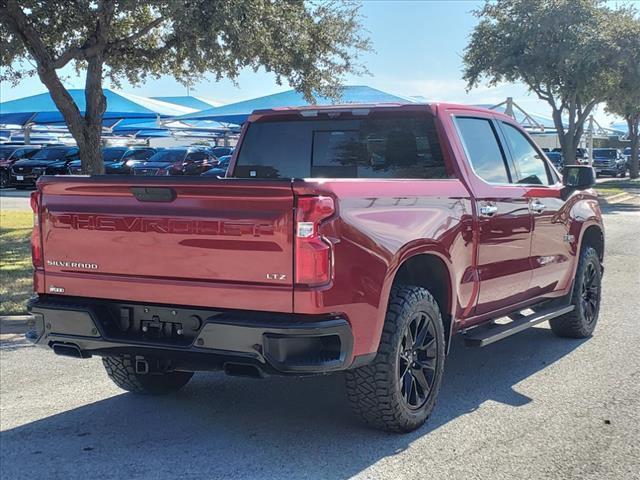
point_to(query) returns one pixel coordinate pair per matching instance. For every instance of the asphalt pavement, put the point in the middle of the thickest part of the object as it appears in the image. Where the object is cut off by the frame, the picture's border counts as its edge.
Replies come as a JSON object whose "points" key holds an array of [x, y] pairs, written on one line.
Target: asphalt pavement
{"points": [[531, 406], [12, 199]]}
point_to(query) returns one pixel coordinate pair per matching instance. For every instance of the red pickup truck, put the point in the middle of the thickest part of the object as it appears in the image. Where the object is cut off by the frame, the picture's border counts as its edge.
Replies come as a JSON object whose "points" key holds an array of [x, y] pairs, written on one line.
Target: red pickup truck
{"points": [[355, 237]]}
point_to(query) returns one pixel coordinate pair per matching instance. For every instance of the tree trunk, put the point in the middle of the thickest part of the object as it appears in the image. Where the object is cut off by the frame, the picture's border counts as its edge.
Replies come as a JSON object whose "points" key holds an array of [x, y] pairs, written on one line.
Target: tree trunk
{"points": [[567, 138], [569, 147], [96, 104], [64, 102], [634, 135]]}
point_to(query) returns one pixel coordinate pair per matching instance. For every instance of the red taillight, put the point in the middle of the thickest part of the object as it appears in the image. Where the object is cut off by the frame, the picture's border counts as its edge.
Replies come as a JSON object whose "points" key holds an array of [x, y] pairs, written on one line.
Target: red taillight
{"points": [[36, 241], [313, 253]]}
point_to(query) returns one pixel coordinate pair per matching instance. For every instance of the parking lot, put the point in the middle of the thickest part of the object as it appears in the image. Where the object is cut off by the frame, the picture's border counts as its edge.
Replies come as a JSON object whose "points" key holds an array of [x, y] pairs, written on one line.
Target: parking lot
{"points": [[531, 406]]}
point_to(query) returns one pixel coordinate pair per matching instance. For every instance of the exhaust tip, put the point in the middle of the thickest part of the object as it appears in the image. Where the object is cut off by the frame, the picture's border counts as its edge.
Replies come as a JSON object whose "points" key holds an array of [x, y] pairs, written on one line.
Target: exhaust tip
{"points": [[68, 350]]}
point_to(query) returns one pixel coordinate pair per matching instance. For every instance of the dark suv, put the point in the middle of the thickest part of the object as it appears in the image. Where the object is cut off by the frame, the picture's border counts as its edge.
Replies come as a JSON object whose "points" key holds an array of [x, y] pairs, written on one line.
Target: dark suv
{"points": [[10, 154], [49, 160], [177, 161], [609, 161], [219, 170], [118, 160], [582, 155]]}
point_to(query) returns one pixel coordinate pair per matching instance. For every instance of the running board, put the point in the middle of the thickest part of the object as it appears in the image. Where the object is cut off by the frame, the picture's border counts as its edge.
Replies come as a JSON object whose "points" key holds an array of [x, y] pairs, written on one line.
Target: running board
{"points": [[487, 334]]}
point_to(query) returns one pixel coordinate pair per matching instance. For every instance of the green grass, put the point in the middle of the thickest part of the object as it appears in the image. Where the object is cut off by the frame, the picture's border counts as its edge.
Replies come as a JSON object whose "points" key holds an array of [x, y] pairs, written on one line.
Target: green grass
{"points": [[608, 190], [616, 186], [16, 271]]}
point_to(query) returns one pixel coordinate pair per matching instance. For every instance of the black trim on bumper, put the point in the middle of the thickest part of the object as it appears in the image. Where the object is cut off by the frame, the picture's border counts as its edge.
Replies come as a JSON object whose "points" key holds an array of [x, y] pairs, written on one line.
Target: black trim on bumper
{"points": [[275, 343]]}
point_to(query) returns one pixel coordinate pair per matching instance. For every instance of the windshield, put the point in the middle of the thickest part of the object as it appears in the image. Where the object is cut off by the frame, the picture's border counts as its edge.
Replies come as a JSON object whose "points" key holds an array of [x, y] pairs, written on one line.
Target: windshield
{"points": [[169, 156], [378, 146], [5, 152], [51, 153], [221, 151], [554, 156], [113, 154], [604, 153]]}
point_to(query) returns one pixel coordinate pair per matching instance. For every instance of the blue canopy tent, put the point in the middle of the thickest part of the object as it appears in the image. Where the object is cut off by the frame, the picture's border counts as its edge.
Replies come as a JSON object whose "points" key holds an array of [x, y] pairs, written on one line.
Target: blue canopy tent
{"points": [[197, 128], [41, 110], [239, 112], [620, 127], [196, 103], [526, 119]]}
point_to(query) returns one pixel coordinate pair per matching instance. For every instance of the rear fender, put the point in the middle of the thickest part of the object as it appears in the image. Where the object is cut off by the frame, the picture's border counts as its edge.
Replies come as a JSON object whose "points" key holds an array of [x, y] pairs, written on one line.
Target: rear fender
{"points": [[406, 253]]}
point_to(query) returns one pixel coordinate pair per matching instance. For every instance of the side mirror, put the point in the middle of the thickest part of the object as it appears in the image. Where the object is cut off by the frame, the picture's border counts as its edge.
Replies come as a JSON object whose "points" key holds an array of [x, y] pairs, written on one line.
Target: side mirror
{"points": [[578, 177]]}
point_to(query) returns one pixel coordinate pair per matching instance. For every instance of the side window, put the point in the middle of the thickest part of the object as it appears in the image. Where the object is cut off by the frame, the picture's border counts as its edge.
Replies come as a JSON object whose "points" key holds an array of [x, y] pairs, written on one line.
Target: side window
{"points": [[483, 149], [196, 157], [138, 154], [530, 167]]}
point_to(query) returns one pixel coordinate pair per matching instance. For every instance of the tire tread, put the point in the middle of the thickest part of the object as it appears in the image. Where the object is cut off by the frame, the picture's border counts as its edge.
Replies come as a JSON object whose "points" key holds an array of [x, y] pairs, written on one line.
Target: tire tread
{"points": [[370, 388]]}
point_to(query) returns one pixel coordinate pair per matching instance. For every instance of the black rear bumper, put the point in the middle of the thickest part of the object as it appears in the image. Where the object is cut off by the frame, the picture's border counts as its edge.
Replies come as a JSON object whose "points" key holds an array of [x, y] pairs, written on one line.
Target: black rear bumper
{"points": [[193, 338]]}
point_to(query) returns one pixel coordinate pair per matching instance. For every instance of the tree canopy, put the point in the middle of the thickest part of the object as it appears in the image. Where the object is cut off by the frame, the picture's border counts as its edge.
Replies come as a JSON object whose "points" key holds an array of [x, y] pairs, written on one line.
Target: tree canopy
{"points": [[311, 45], [565, 51], [624, 97]]}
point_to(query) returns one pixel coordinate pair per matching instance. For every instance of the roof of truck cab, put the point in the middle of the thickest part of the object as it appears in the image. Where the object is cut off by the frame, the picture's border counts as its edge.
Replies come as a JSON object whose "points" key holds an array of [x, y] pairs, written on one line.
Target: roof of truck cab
{"points": [[258, 114]]}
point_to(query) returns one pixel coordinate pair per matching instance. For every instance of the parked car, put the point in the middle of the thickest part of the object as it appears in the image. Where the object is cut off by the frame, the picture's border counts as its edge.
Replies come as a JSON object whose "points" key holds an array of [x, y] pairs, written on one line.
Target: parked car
{"points": [[315, 258], [177, 161], [10, 154], [609, 161], [220, 151], [556, 159], [49, 160], [118, 160], [627, 155], [219, 170], [582, 155]]}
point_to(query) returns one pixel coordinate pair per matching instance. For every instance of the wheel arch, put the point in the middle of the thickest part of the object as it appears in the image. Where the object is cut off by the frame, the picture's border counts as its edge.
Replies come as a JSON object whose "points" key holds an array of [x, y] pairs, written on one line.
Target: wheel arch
{"points": [[593, 235], [431, 270]]}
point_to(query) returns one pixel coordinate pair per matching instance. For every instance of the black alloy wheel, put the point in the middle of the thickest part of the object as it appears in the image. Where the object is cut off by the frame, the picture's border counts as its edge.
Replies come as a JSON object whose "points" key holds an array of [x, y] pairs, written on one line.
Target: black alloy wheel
{"points": [[590, 293], [418, 360]]}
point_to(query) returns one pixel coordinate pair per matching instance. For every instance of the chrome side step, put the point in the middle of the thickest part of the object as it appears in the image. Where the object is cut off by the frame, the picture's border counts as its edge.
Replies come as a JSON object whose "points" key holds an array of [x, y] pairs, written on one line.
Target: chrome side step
{"points": [[487, 334]]}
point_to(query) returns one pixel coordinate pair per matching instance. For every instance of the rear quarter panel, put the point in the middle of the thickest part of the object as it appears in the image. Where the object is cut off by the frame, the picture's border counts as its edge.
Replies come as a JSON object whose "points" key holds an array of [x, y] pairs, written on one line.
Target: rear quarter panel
{"points": [[377, 226]]}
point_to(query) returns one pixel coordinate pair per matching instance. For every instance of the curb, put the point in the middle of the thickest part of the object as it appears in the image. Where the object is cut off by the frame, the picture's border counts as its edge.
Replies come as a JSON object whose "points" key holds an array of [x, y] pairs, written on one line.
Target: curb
{"points": [[14, 318], [13, 326]]}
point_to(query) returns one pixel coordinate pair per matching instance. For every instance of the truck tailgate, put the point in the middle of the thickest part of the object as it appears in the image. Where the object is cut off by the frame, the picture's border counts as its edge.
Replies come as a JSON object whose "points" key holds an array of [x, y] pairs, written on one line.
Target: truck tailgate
{"points": [[169, 234]]}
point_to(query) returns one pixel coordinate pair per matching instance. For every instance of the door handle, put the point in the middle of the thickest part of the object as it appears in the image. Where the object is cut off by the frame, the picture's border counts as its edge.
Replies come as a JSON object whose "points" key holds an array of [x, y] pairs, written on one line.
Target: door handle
{"points": [[488, 210], [537, 206]]}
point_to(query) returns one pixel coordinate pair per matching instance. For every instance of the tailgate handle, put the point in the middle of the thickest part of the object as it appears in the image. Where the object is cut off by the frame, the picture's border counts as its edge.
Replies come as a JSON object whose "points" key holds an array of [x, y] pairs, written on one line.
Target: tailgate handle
{"points": [[154, 194]]}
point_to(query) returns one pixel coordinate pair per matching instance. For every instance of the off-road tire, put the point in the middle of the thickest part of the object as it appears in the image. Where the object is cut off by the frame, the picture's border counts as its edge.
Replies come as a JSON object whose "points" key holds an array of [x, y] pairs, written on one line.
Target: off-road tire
{"points": [[374, 390], [121, 370], [576, 323]]}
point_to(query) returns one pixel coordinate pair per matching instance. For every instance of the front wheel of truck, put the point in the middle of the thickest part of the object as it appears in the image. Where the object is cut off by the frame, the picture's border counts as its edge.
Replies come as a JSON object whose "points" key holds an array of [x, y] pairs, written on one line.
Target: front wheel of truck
{"points": [[398, 390], [122, 371], [587, 289]]}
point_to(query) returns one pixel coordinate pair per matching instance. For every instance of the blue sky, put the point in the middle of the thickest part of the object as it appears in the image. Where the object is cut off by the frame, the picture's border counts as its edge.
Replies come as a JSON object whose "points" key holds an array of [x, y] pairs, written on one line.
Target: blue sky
{"points": [[418, 51]]}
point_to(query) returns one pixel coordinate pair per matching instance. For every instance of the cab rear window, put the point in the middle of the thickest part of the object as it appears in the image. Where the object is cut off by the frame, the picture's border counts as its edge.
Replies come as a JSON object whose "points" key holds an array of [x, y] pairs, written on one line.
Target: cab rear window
{"points": [[400, 146]]}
